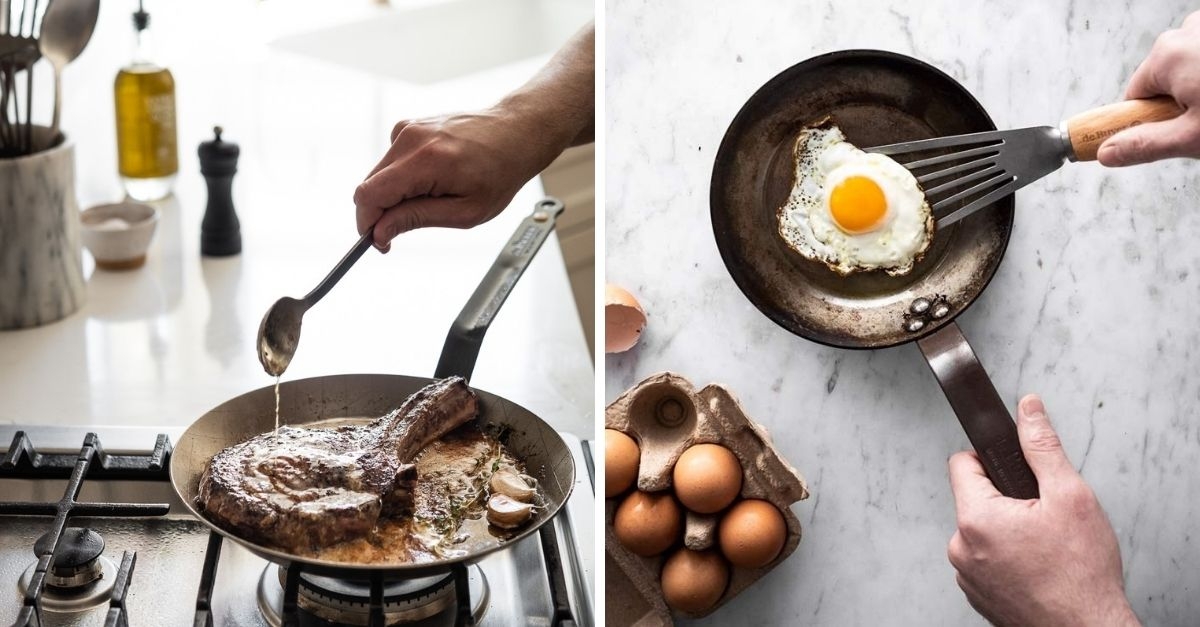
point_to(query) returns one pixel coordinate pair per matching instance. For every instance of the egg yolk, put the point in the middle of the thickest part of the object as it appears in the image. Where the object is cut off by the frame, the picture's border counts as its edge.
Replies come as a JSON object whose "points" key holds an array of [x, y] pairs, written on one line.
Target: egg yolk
{"points": [[857, 204]]}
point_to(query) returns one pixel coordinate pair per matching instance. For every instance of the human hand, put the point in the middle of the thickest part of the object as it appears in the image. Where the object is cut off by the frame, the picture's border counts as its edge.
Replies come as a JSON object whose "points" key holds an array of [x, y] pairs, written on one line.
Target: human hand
{"points": [[1173, 69], [455, 171], [461, 170], [1053, 560]]}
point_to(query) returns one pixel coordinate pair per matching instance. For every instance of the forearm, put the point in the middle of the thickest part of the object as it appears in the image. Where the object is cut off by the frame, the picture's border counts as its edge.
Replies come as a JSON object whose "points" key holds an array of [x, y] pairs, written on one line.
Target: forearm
{"points": [[557, 106]]}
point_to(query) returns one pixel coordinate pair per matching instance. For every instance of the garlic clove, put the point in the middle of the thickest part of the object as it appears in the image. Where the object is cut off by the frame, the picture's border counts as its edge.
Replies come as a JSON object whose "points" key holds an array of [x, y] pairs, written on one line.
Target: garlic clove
{"points": [[506, 512], [511, 484]]}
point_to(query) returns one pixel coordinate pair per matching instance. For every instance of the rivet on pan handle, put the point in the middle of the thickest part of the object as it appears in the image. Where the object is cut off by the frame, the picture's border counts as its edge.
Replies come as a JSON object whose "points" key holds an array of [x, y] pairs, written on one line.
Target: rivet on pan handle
{"points": [[466, 334], [983, 415]]}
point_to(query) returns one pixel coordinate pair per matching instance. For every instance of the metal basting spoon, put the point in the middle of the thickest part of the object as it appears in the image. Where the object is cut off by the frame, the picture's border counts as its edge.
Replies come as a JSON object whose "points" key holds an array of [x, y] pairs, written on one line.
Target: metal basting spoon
{"points": [[66, 29], [279, 333]]}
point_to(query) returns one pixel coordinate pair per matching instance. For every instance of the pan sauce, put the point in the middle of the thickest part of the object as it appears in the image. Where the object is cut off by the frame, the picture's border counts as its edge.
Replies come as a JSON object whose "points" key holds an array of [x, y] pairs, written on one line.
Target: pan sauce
{"points": [[449, 505]]}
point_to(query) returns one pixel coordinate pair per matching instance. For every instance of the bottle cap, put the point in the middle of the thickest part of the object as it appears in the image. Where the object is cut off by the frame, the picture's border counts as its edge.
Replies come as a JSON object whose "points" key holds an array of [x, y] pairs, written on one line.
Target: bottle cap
{"points": [[217, 156], [141, 19]]}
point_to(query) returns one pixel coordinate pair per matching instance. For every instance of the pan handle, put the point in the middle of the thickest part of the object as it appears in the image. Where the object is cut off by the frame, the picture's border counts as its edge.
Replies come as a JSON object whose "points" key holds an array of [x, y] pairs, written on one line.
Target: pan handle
{"points": [[983, 415], [466, 334]]}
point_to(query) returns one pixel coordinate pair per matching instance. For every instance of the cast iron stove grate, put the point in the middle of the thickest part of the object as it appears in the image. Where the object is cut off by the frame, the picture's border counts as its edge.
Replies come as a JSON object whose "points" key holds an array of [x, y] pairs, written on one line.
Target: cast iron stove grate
{"points": [[291, 612], [22, 461]]}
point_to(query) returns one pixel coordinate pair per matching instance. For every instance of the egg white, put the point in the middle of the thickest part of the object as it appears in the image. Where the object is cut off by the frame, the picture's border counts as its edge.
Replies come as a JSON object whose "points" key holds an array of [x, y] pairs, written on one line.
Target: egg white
{"points": [[823, 159]]}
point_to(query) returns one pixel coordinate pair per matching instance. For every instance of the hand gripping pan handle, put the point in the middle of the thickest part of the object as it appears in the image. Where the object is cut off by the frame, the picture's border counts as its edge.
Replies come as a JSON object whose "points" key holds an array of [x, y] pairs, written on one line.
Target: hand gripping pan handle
{"points": [[983, 415], [466, 334]]}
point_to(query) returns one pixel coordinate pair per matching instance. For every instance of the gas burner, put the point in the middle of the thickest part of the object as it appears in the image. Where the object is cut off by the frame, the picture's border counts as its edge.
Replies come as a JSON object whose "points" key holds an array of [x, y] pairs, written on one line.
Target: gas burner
{"points": [[331, 602], [79, 577], [76, 563], [540, 580]]}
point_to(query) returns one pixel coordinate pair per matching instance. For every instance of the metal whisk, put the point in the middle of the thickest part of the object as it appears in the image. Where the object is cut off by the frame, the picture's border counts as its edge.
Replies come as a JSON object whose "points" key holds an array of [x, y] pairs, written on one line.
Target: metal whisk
{"points": [[18, 53], [59, 30]]}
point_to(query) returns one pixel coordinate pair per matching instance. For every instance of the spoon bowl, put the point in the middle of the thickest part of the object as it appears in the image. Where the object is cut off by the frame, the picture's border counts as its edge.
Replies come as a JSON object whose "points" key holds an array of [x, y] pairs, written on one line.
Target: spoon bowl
{"points": [[67, 27], [279, 334]]}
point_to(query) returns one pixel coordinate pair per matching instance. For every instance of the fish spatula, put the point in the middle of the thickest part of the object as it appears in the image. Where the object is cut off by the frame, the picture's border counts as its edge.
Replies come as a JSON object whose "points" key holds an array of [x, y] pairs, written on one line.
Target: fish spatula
{"points": [[962, 174]]}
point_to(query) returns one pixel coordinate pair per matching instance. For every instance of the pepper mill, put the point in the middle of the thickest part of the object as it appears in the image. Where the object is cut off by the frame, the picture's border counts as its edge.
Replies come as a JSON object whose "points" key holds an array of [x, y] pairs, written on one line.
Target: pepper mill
{"points": [[220, 231]]}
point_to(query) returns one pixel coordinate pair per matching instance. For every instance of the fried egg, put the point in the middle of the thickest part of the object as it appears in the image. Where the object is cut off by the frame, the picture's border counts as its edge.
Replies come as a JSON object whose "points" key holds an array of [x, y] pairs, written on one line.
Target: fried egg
{"points": [[851, 210]]}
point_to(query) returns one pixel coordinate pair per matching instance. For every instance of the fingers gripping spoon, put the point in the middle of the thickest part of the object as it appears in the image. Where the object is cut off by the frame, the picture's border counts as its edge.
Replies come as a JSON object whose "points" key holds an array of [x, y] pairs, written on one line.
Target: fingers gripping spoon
{"points": [[962, 174], [279, 333]]}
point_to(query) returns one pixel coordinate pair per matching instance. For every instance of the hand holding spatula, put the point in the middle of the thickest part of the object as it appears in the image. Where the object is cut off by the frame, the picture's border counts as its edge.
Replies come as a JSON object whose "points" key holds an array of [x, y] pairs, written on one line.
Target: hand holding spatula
{"points": [[962, 174], [1160, 120], [1171, 69]]}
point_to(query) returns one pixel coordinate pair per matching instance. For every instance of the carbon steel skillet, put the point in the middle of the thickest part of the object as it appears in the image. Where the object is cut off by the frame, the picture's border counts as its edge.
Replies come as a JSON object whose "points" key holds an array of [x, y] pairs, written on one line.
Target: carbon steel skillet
{"points": [[876, 98], [314, 399]]}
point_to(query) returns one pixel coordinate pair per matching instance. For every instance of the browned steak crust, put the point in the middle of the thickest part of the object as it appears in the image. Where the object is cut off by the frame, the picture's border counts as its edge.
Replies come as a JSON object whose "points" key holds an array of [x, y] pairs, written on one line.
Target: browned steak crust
{"points": [[308, 488]]}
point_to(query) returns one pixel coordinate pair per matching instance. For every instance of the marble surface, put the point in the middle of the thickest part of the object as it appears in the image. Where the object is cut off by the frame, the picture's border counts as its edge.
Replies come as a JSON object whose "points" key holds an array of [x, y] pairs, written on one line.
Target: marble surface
{"points": [[1095, 305], [163, 344], [41, 273]]}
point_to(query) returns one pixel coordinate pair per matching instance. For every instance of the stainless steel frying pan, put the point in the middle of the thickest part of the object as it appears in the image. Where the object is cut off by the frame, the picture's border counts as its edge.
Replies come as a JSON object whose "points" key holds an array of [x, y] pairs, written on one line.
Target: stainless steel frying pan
{"points": [[311, 400], [876, 98]]}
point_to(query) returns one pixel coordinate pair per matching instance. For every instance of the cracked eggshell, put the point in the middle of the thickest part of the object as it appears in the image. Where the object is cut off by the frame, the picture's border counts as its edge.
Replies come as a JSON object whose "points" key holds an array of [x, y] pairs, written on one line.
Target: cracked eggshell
{"points": [[667, 415], [624, 319]]}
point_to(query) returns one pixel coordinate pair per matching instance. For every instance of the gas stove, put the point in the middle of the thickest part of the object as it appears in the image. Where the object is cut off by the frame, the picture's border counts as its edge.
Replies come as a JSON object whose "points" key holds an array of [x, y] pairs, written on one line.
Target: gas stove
{"points": [[92, 533]]}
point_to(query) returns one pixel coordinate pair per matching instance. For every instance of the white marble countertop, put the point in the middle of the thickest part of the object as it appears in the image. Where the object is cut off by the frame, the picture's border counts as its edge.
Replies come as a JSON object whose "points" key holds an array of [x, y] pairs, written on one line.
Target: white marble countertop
{"points": [[1095, 305], [163, 344]]}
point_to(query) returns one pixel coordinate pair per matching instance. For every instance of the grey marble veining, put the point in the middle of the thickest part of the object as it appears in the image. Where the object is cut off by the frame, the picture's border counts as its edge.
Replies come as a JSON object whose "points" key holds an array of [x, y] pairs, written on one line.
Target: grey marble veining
{"points": [[1095, 306], [41, 271]]}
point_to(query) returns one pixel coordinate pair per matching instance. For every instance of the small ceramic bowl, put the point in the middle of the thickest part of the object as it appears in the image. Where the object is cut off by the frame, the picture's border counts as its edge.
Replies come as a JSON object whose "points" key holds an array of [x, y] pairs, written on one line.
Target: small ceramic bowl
{"points": [[119, 234]]}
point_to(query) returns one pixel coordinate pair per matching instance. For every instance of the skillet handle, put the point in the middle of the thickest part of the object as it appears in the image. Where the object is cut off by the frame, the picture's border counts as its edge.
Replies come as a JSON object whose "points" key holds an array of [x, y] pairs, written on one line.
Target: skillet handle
{"points": [[466, 334], [980, 410]]}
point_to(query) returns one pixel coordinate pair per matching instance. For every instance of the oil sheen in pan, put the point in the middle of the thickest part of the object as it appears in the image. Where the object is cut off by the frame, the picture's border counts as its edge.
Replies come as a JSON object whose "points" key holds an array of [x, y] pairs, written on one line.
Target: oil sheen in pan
{"points": [[448, 518], [779, 177]]}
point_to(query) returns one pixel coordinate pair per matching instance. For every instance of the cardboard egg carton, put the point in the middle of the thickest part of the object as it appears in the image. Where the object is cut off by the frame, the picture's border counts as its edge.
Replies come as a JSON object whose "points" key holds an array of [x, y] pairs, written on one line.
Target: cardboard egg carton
{"points": [[665, 414]]}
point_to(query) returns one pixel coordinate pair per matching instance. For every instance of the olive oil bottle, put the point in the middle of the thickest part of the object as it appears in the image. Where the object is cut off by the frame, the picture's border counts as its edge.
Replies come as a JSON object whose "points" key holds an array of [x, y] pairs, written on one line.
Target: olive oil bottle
{"points": [[147, 155]]}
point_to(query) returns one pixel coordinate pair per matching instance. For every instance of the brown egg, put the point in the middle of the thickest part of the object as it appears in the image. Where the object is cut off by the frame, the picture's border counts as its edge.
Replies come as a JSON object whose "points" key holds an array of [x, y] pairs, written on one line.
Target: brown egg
{"points": [[621, 455], [707, 478], [648, 524], [752, 533], [693, 581], [624, 319]]}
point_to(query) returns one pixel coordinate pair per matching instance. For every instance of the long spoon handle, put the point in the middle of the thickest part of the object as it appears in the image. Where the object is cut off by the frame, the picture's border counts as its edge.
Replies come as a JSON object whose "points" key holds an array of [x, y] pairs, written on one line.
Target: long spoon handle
{"points": [[28, 145], [340, 269], [5, 142], [57, 103]]}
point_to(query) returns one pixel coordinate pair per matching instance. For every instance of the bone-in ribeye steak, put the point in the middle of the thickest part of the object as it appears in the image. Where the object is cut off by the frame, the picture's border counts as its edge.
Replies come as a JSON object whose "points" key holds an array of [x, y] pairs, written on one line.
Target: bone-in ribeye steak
{"points": [[309, 488]]}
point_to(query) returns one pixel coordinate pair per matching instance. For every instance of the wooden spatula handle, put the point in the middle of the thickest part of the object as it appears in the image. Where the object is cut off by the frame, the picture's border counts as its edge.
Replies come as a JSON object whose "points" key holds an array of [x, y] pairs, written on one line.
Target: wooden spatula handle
{"points": [[1089, 129]]}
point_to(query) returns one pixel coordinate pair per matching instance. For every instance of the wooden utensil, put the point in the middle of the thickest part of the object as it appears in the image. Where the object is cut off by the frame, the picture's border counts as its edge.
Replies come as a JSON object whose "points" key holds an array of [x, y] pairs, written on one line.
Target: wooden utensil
{"points": [[984, 167]]}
